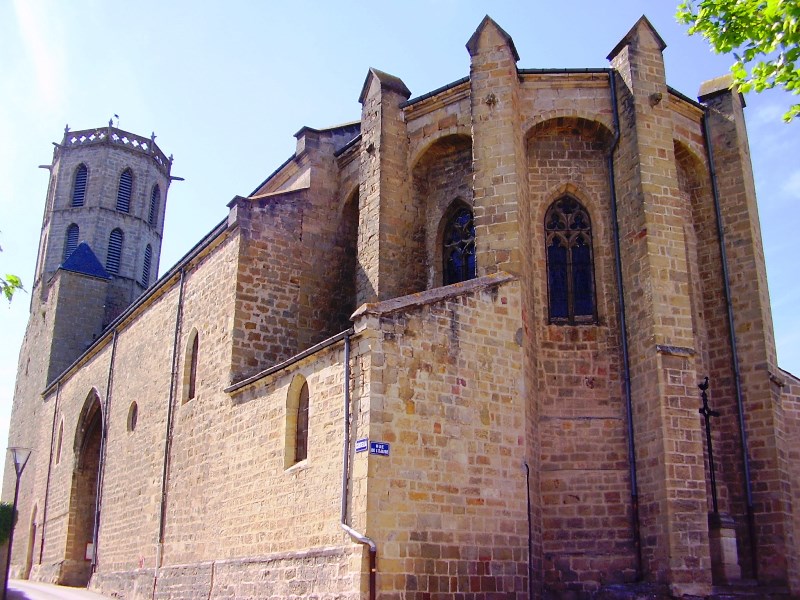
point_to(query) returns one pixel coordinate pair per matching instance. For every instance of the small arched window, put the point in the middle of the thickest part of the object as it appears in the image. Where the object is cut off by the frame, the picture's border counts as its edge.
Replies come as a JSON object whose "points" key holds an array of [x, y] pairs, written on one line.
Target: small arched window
{"points": [[155, 200], [71, 240], [59, 441], [79, 186], [458, 247], [124, 191], [297, 400], [148, 259], [133, 416], [114, 251], [190, 366], [301, 437], [570, 265]]}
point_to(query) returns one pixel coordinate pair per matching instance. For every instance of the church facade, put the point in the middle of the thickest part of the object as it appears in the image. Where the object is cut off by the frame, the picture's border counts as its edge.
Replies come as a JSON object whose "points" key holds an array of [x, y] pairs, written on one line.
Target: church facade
{"points": [[450, 350]]}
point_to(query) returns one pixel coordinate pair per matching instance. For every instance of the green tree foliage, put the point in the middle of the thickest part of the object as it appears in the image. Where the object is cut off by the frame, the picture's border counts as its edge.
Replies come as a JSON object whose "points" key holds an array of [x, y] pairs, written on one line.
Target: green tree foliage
{"points": [[6, 520], [9, 284], [762, 35]]}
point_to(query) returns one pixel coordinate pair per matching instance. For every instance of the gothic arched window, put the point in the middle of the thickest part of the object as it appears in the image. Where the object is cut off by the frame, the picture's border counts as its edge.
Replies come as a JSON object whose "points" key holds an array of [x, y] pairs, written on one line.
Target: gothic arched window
{"points": [[570, 266], [458, 247], [79, 187], [114, 251], [71, 241], [155, 199], [124, 191]]}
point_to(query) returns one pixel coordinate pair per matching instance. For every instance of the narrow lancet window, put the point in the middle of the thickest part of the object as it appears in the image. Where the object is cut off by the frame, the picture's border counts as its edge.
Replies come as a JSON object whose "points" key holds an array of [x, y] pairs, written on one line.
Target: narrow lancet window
{"points": [[301, 436], [458, 252], [570, 266]]}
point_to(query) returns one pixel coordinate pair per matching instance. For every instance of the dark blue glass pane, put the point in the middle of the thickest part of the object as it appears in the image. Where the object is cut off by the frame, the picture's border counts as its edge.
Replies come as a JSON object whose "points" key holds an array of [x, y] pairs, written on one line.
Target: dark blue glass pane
{"points": [[582, 279], [459, 248], [557, 279]]}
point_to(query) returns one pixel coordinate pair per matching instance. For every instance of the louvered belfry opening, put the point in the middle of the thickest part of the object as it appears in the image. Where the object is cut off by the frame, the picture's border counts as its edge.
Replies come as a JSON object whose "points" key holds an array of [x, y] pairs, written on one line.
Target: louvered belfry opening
{"points": [[71, 240], [114, 251], [79, 188], [124, 191], [148, 259], [155, 198]]}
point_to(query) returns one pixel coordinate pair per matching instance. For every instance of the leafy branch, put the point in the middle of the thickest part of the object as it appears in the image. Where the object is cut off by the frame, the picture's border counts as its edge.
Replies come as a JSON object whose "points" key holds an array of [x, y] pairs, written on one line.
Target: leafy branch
{"points": [[762, 35]]}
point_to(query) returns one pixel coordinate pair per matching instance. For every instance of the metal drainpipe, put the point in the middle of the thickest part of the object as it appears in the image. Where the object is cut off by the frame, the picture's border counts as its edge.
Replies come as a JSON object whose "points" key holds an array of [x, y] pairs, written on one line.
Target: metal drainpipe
{"points": [[49, 471], [530, 529], [168, 433], [359, 537], [637, 539], [751, 523], [104, 417]]}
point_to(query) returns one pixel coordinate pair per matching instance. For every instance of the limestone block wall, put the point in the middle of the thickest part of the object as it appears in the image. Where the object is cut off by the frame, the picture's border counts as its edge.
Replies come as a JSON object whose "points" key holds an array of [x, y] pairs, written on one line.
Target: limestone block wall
{"points": [[577, 396], [447, 507], [78, 302], [267, 282], [755, 337], [442, 184], [57, 542], [668, 437], [25, 411], [296, 279], [790, 402], [239, 521], [498, 154]]}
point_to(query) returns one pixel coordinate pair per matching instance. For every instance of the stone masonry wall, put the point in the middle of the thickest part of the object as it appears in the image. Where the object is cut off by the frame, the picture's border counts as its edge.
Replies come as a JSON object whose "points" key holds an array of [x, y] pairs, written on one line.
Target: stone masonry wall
{"points": [[268, 277], [442, 182], [587, 535], [447, 507], [669, 444], [772, 496]]}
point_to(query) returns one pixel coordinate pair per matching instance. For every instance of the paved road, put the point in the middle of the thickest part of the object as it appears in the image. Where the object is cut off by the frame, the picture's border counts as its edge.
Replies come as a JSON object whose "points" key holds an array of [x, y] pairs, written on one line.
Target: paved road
{"points": [[28, 590]]}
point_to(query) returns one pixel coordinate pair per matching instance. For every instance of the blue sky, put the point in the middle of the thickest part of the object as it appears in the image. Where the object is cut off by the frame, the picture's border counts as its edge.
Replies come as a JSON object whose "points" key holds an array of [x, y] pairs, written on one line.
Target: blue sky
{"points": [[225, 85]]}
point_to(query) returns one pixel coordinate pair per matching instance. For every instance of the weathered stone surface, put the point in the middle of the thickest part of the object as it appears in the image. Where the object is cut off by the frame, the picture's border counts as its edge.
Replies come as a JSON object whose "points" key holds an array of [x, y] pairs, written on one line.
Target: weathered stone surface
{"points": [[507, 469]]}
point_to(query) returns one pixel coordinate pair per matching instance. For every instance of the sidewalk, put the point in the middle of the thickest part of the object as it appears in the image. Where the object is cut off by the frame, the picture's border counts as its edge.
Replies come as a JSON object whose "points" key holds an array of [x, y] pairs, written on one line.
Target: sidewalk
{"points": [[19, 589]]}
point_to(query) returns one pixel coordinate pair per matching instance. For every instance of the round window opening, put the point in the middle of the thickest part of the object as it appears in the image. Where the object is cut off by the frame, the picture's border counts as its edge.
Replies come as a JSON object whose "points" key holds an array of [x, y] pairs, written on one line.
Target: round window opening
{"points": [[133, 416]]}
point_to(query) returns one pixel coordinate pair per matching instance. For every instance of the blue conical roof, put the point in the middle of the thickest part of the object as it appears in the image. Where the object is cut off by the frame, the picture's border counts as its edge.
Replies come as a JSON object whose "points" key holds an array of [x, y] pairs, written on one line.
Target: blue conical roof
{"points": [[83, 260]]}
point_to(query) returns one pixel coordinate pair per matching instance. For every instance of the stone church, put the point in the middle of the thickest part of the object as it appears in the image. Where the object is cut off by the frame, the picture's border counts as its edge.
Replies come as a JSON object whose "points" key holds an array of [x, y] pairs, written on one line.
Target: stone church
{"points": [[450, 350]]}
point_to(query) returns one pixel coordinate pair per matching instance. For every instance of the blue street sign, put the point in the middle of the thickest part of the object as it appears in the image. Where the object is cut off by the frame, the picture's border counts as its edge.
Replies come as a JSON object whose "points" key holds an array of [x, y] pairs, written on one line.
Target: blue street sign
{"points": [[362, 444], [379, 448]]}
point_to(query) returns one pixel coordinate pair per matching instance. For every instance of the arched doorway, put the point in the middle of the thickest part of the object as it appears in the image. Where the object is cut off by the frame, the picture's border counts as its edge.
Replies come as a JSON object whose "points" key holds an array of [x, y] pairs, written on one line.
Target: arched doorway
{"points": [[77, 566], [31, 545]]}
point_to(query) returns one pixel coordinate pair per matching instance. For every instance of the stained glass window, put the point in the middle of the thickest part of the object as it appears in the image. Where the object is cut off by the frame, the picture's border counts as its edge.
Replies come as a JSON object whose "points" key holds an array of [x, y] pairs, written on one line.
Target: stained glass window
{"points": [[570, 267], [459, 247]]}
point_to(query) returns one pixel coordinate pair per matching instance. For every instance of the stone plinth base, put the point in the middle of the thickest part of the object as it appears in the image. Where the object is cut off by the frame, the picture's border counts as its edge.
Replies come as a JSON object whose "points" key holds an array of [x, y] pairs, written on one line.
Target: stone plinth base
{"points": [[724, 554]]}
